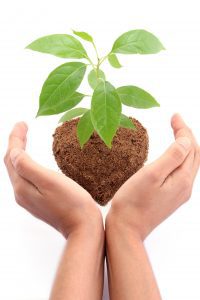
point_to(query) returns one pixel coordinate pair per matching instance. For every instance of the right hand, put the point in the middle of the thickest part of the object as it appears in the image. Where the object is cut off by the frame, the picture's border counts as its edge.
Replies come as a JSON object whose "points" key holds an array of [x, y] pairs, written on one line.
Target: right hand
{"points": [[50, 196], [157, 190]]}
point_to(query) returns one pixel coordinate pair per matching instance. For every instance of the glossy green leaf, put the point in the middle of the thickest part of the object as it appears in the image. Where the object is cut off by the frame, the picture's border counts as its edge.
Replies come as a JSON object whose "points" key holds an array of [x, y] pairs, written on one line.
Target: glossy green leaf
{"points": [[105, 111], [113, 60], [126, 122], [136, 97], [75, 112], [61, 106], [84, 35], [60, 86], [61, 45], [137, 41], [84, 128], [93, 79]]}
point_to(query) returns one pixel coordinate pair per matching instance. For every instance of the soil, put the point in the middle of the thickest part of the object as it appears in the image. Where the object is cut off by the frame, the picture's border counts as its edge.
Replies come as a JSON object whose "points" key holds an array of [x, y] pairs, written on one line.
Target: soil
{"points": [[98, 169]]}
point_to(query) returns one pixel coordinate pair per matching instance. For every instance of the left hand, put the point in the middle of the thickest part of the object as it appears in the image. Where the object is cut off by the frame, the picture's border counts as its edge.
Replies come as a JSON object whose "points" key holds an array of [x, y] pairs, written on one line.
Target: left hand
{"points": [[152, 194]]}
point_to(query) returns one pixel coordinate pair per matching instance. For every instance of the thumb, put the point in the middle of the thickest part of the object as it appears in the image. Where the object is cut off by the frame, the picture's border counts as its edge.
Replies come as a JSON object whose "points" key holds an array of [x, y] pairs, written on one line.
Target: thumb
{"points": [[28, 168], [173, 157]]}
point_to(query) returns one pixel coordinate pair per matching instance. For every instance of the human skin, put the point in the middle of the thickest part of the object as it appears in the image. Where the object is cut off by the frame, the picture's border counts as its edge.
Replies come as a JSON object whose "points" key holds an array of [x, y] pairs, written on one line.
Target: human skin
{"points": [[144, 201], [62, 203], [140, 205]]}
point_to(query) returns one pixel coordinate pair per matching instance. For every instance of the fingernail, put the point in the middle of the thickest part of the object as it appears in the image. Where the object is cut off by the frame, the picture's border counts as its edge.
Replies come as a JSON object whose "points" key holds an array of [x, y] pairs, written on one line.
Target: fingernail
{"points": [[14, 154], [185, 142]]}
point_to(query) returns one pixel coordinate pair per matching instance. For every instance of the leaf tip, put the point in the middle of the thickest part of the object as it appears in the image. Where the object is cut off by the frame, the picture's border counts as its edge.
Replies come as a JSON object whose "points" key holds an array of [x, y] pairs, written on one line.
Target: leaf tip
{"points": [[27, 47]]}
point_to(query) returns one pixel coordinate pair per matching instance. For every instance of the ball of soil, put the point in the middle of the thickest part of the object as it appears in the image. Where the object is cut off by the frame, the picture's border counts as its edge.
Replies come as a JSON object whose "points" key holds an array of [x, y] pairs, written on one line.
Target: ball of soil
{"points": [[98, 169]]}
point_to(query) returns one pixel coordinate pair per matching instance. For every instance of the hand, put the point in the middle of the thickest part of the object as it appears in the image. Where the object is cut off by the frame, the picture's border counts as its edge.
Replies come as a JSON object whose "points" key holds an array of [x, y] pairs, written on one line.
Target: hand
{"points": [[157, 190], [50, 196]]}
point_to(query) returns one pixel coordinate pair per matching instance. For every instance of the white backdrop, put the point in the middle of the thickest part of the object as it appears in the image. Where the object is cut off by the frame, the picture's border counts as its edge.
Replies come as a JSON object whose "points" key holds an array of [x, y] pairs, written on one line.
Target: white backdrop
{"points": [[29, 249]]}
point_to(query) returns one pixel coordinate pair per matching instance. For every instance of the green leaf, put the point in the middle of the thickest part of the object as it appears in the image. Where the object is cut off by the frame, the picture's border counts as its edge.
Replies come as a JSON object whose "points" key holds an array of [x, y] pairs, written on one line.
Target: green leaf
{"points": [[94, 80], [60, 86], [75, 112], [136, 97], [113, 60], [84, 35], [61, 45], [84, 128], [126, 122], [105, 111], [137, 41], [61, 106]]}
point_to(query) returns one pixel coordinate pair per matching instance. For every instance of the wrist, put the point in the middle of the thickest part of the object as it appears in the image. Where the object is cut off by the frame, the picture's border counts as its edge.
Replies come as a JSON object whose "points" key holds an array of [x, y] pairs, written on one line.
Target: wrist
{"points": [[118, 223], [88, 223]]}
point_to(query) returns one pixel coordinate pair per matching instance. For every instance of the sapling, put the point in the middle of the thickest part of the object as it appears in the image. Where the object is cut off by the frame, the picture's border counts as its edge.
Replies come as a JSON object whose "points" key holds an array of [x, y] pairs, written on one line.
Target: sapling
{"points": [[60, 90], [98, 146]]}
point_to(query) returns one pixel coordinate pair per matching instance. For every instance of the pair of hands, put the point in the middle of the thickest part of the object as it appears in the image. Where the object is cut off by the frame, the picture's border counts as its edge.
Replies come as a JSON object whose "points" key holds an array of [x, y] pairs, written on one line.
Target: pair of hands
{"points": [[141, 203]]}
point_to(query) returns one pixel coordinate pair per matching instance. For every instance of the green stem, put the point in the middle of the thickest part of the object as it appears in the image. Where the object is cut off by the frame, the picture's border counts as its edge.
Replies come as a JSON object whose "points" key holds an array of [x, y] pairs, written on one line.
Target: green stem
{"points": [[95, 48], [103, 58], [90, 61]]}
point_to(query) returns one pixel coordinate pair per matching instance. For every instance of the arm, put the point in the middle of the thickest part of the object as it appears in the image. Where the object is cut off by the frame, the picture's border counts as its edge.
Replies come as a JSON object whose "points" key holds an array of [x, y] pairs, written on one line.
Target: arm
{"points": [[130, 275], [140, 205], [66, 206], [80, 272]]}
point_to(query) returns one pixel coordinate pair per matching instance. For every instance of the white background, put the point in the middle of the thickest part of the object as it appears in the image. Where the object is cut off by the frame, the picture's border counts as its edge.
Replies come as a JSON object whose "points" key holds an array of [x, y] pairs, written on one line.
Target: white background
{"points": [[29, 249]]}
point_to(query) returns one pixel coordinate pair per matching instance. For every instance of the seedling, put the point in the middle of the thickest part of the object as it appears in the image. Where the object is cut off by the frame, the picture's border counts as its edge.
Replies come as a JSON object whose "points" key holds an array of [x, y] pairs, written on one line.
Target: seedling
{"points": [[60, 90]]}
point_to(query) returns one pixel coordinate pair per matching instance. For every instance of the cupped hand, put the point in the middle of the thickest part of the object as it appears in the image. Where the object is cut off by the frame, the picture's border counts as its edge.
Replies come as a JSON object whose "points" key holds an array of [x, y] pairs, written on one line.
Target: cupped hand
{"points": [[50, 196], [158, 189]]}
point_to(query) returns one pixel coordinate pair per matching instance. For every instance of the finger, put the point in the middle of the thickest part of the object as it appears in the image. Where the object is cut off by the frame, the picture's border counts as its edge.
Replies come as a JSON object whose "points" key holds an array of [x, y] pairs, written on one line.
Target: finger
{"points": [[28, 196], [171, 159], [29, 169], [25, 192], [181, 129], [17, 138]]}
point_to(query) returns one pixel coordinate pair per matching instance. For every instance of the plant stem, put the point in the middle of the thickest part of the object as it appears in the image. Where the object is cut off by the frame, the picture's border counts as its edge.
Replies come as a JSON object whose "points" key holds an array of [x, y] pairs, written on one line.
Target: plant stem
{"points": [[90, 61], [103, 58], [95, 48]]}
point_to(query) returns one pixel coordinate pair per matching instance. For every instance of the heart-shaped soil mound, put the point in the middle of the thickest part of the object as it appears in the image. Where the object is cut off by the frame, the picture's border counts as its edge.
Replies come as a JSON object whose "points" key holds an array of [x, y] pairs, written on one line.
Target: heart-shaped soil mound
{"points": [[98, 169]]}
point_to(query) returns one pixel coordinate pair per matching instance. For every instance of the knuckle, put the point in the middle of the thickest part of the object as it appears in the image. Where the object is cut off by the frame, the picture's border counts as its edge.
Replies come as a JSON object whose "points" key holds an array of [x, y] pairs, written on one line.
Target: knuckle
{"points": [[19, 163], [151, 174], [18, 190], [18, 200], [178, 153], [19, 195]]}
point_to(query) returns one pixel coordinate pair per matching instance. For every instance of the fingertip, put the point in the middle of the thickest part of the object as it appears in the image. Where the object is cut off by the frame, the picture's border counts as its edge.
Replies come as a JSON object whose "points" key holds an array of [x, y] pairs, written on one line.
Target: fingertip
{"points": [[175, 117], [22, 125], [19, 130]]}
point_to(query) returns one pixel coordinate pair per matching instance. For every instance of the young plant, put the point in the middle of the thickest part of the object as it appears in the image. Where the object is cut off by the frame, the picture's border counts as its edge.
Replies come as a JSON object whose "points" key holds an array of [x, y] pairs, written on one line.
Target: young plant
{"points": [[60, 90]]}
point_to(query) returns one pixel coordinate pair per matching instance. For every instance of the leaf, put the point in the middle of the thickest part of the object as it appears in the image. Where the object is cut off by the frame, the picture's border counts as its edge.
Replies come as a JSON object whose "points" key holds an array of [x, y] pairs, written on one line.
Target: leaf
{"points": [[61, 45], [137, 41], [75, 112], [113, 60], [105, 111], [136, 97], [59, 107], [84, 128], [60, 86], [84, 35], [93, 79], [126, 122]]}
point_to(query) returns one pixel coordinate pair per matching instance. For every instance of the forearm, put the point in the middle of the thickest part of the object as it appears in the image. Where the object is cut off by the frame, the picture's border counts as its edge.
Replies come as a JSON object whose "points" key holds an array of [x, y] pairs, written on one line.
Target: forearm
{"points": [[129, 271], [80, 272]]}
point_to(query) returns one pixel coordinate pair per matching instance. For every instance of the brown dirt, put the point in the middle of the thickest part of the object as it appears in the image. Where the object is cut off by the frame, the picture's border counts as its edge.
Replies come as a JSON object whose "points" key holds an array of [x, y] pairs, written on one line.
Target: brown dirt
{"points": [[98, 169]]}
